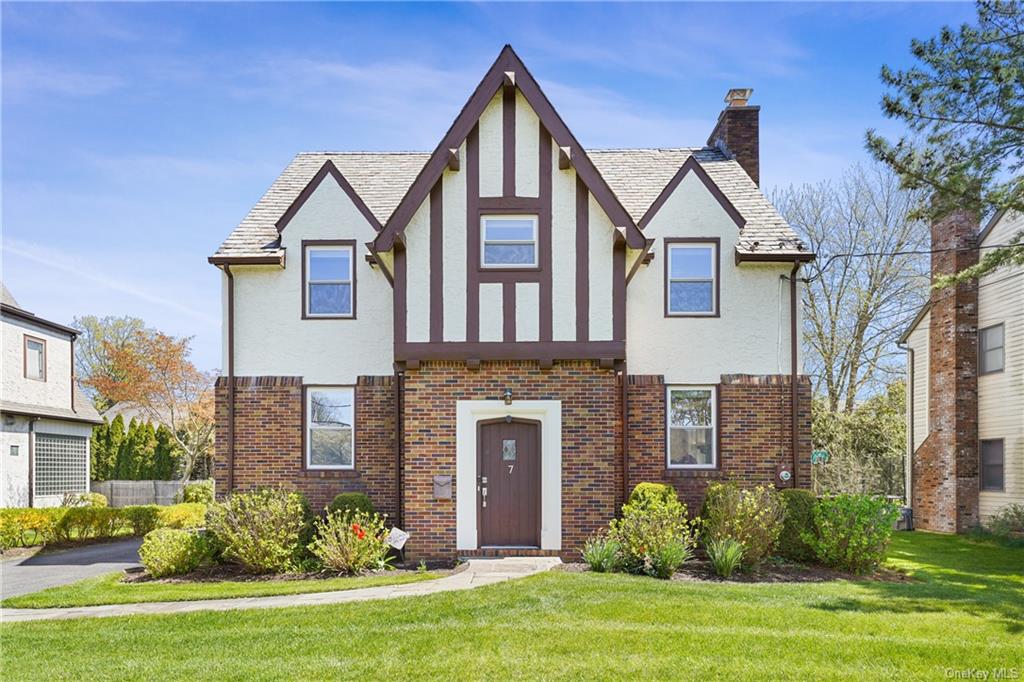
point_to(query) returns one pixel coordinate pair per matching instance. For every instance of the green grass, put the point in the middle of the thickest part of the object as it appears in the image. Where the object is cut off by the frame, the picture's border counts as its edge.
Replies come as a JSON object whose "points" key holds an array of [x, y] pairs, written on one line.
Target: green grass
{"points": [[108, 589], [965, 611]]}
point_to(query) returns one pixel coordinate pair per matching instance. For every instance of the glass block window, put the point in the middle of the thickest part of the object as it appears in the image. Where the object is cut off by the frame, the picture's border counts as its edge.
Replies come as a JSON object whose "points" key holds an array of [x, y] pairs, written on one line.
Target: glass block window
{"points": [[330, 427], [690, 273], [508, 241], [61, 464], [691, 427]]}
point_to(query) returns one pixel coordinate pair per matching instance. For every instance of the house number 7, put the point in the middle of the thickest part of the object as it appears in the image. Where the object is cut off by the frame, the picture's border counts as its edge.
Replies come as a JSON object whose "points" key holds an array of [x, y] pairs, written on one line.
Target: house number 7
{"points": [[510, 467]]}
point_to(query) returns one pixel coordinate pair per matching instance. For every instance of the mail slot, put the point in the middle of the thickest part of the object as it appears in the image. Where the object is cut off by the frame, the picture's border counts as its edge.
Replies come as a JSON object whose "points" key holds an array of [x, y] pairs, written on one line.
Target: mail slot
{"points": [[442, 487]]}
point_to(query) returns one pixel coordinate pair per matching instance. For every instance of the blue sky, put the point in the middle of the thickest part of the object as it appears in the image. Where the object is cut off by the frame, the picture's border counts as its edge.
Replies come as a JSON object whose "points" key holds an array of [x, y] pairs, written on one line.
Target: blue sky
{"points": [[136, 136]]}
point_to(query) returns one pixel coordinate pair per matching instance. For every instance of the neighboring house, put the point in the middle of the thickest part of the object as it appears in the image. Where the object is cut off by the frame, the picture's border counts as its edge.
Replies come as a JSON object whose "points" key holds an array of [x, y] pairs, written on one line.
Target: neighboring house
{"points": [[499, 339], [46, 419], [965, 405]]}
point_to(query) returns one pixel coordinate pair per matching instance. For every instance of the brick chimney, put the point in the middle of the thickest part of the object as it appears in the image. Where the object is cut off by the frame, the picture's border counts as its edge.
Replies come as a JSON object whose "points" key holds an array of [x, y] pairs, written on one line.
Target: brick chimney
{"points": [[945, 467], [737, 132]]}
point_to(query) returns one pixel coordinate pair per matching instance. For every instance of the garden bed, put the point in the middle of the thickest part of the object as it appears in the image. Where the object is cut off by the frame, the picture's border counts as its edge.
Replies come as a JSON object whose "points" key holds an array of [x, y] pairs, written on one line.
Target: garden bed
{"points": [[772, 571], [221, 572]]}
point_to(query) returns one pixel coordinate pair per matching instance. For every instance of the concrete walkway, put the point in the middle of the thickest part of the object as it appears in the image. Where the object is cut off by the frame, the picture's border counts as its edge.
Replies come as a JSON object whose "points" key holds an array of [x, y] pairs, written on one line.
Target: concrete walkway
{"points": [[476, 573], [50, 569]]}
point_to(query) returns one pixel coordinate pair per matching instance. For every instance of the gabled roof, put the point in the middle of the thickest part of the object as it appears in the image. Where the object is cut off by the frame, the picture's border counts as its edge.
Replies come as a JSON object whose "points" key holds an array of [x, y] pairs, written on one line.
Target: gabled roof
{"points": [[83, 412], [913, 323]]}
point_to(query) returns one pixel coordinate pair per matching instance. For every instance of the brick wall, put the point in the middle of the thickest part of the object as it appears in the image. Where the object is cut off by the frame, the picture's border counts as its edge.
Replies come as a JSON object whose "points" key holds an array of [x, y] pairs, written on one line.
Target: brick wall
{"points": [[754, 432], [738, 129], [269, 441], [590, 442]]}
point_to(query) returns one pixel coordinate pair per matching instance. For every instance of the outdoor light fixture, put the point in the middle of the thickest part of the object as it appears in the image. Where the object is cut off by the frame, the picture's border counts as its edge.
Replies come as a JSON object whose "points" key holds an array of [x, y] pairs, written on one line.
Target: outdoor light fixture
{"points": [[508, 396]]}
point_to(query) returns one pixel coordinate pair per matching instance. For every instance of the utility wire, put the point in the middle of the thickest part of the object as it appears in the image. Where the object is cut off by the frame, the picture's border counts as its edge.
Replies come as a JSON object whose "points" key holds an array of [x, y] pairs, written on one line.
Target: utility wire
{"points": [[892, 254]]}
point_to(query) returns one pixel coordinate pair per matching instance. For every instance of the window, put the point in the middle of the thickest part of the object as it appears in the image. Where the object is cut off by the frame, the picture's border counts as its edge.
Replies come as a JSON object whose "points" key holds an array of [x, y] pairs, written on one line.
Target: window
{"points": [[992, 464], [35, 358], [61, 464], [14, 451], [330, 427], [691, 427], [691, 274], [990, 349], [508, 241], [330, 282]]}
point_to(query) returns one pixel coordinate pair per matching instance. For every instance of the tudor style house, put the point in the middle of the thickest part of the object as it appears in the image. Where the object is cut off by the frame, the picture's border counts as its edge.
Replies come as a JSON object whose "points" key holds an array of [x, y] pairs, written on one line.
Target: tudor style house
{"points": [[498, 339], [965, 383]]}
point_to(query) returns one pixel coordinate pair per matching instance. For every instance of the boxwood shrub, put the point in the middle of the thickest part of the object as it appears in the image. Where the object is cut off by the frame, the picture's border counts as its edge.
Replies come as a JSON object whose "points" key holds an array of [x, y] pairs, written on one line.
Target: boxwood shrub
{"points": [[800, 505], [351, 502], [852, 532], [170, 551]]}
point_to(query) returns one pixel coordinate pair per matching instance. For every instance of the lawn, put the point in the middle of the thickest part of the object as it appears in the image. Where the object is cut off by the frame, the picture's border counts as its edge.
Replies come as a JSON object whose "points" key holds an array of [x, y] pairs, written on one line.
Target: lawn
{"points": [[108, 589], [965, 611]]}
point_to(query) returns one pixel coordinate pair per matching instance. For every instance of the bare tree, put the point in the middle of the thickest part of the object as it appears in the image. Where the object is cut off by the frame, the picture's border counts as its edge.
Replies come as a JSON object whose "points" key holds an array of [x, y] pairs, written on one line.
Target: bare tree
{"points": [[870, 277]]}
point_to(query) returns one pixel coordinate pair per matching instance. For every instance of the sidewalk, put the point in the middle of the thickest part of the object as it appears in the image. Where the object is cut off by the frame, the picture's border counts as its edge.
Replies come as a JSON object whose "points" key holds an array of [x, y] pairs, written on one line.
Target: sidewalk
{"points": [[478, 572]]}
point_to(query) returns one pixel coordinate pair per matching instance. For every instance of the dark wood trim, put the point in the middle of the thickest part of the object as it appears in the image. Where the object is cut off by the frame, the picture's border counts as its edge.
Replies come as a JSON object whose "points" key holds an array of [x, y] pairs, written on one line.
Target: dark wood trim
{"points": [[508, 141], [479, 467], [277, 260], [306, 244], [327, 169], [399, 482], [400, 312], [437, 263], [333, 472], [508, 312], [473, 235], [768, 257], [231, 379], [509, 204], [372, 253], [794, 393], [544, 235], [624, 427], [25, 315], [582, 261], [619, 292], [24, 357], [524, 350], [509, 275], [641, 260], [668, 242], [691, 164]]}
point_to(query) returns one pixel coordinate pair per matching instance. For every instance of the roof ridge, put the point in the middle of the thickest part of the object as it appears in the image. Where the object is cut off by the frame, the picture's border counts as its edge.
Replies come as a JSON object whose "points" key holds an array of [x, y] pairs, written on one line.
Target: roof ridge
{"points": [[366, 151]]}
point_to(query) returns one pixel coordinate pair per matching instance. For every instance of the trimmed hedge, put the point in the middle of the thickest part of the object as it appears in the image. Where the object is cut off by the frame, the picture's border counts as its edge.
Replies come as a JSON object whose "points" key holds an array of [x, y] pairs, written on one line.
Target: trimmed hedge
{"points": [[351, 502], [182, 516], [648, 495], [800, 506], [170, 551]]}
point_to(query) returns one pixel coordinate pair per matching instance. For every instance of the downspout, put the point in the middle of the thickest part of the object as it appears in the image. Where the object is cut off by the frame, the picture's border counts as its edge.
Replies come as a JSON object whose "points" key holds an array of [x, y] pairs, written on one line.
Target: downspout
{"points": [[31, 457], [398, 447], [72, 373], [625, 434], [908, 454], [231, 378], [794, 396]]}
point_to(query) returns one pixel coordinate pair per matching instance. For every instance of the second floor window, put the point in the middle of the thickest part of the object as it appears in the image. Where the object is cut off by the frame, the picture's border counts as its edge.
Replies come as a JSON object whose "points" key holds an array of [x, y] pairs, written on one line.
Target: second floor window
{"points": [[329, 281], [508, 241], [35, 359], [990, 349], [691, 270]]}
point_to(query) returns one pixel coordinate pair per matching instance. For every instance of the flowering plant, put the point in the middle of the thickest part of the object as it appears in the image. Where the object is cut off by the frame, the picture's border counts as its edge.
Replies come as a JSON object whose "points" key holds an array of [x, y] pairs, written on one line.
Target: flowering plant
{"points": [[351, 542]]}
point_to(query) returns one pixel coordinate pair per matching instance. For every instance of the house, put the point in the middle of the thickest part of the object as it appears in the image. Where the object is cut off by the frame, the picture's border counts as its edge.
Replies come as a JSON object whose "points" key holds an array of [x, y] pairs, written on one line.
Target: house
{"points": [[498, 339], [965, 383], [46, 419]]}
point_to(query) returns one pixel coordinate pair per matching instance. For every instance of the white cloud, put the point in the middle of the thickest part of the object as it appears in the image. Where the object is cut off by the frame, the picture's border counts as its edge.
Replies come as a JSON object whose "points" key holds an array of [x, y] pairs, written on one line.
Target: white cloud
{"points": [[29, 77]]}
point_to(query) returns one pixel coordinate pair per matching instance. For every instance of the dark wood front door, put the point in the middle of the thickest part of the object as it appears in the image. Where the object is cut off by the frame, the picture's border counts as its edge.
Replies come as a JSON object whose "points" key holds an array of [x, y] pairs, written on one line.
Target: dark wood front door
{"points": [[509, 483]]}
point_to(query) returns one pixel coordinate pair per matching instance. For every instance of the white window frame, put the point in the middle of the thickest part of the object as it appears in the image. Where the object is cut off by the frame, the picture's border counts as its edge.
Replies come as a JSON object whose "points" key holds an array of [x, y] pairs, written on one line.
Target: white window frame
{"points": [[309, 427], [668, 425], [669, 279], [1002, 350], [533, 218], [308, 284]]}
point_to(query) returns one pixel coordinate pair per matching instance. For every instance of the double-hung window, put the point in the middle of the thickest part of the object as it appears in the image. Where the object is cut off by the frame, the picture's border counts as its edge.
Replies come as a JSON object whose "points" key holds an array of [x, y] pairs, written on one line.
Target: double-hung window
{"points": [[508, 241], [992, 464], [35, 358], [691, 278], [330, 427], [990, 349], [691, 427], [330, 281]]}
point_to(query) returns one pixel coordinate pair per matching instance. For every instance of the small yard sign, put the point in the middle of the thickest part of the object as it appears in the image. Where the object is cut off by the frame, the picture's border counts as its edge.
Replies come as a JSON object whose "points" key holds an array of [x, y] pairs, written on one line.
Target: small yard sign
{"points": [[819, 456], [397, 538]]}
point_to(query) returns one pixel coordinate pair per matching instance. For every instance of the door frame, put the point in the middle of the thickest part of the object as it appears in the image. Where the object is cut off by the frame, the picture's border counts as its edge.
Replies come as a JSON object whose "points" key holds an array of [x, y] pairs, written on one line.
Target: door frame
{"points": [[540, 473]]}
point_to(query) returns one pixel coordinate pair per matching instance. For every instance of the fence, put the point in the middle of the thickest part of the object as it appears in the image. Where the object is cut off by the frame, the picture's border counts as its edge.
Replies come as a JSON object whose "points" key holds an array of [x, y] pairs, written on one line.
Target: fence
{"points": [[125, 493]]}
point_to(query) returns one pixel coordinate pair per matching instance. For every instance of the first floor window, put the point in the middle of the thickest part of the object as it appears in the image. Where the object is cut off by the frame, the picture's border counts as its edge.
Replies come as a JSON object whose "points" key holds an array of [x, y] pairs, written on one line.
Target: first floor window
{"points": [[330, 427], [61, 464], [329, 281], [691, 427], [691, 270], [990, 349], [35, 358], [508, 241], [992, 464]]}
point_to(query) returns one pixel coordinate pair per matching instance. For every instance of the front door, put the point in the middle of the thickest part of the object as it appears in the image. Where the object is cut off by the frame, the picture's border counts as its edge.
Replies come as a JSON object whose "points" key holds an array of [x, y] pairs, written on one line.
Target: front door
{"points": [[508, 452]]}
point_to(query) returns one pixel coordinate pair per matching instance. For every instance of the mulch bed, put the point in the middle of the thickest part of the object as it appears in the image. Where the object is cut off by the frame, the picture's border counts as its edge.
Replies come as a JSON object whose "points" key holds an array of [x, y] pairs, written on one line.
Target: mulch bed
{"points": [[772, 571], [235, 573]]}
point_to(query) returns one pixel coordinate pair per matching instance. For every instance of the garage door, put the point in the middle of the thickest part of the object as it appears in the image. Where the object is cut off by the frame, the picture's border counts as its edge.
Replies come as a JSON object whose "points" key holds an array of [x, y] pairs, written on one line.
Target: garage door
{"points": [[61, 464]]}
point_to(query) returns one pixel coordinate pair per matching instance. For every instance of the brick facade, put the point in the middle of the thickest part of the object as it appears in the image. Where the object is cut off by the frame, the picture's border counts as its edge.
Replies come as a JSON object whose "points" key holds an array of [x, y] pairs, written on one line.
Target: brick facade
{"points": [[738, 130], [945, 466]]}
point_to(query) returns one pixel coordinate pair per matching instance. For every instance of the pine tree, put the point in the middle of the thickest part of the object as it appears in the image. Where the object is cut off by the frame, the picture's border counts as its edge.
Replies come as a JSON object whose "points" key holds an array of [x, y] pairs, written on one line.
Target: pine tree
{"points": [[98, 469], [165, 458], [125, 453], [115, 438]]}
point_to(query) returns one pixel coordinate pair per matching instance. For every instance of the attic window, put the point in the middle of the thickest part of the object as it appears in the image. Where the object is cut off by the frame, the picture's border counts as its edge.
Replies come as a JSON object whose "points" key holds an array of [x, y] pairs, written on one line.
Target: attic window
{"points": [[329, 286], [508, 241], [691, 278]]}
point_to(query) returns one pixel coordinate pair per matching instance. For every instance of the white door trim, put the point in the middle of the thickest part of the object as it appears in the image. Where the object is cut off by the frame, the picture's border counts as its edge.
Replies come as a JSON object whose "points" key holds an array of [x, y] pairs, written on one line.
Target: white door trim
{"points": [[549, 414]]}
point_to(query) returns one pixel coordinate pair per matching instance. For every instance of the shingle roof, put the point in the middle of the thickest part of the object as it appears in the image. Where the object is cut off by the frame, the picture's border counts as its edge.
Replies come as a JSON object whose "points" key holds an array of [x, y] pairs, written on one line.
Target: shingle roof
{"points": [[83, 412], [637, 176]]}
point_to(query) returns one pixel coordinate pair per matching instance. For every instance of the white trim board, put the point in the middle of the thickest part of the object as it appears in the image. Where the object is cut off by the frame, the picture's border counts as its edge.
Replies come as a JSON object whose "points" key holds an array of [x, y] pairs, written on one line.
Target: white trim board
{"points": [[549, 414]]}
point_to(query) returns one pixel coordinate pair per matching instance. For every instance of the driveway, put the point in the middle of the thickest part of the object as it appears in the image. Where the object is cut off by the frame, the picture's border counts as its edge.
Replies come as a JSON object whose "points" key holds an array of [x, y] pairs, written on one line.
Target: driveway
{"points": [[49, 569]]}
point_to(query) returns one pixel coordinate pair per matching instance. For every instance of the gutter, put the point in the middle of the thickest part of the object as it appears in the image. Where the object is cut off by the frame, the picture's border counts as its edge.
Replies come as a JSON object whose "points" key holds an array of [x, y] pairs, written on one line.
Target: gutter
{"points": [[794, 395], [908, 453]]}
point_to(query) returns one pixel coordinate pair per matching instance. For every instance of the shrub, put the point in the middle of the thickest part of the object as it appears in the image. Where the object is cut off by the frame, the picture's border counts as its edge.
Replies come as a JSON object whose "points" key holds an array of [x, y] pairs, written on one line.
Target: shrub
{"points": [[351, 541], [726, 555], [646, 495], [653, 541], [799, 519], [28, 527], [169, 551], [85, 523], [852, 532], [182, 516], [353, 502], [751, 517], [1008, 519], [262, 529], [83, 500], [601, 553], [200, 492], [143, 518]]}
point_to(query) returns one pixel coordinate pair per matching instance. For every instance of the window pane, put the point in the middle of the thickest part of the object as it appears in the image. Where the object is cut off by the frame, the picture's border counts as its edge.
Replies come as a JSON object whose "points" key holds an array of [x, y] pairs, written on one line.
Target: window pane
{"points": [[330, 407], [992, 360], [991, 338], [330, 447], [691, 446], [509, 254], [691, 262], [992, 465], [330, 299], [34, 361], [508, 229], [691, 408], [329, 264], [690, 297]]}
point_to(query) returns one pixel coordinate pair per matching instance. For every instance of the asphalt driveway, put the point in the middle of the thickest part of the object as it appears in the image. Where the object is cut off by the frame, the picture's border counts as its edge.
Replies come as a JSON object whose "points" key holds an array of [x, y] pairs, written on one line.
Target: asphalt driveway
{"points": [[49, 569]]}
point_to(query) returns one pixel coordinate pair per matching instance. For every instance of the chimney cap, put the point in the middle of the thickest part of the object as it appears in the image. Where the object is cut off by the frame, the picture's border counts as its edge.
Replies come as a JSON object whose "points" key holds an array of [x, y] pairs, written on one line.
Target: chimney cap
{"points": [[738, 97]]}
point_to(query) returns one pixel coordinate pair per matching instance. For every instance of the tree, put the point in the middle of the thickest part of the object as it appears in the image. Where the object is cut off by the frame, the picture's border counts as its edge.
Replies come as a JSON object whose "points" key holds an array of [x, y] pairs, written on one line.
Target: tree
{"points": [[153, 373], [92, 357], [869, 278], [963, 103]]}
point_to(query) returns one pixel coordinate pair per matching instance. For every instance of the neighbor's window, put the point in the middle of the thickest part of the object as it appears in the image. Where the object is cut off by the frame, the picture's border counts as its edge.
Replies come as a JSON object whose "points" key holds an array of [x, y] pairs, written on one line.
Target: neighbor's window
{"points": [[330, 427], [14, 451], [691, 270], [691, 427], [329, 281], [508, 241], [35, 358], [992, 464], [990, 349]]}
